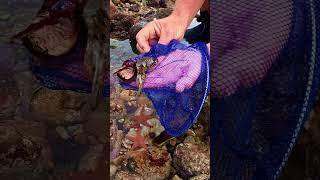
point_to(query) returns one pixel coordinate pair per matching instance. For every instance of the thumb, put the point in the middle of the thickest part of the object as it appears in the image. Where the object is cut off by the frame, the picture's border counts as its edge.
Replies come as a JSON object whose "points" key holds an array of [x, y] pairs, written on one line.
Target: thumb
{"points": [[165, 37]]}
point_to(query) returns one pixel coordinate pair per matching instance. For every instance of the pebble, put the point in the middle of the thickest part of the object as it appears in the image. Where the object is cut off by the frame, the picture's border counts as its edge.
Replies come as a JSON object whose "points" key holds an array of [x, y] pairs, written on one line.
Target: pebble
{"points": [[113, 170]]}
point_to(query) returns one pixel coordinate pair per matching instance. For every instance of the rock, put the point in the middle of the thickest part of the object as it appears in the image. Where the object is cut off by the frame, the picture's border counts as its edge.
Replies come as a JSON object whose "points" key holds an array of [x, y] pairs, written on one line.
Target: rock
{"points": [[118, 107], [134, 8], [135, 29], [113, 9], [75, 130], [47, 101], [144, 164], [176, 177], [120, 25], [71, 116], [191, 159], [22, 153], [8, 134], [156, 128], [113, 170], [63, 133], [200, 177], [90, 160], [56, 107], [82, 139], [128, 95], [97, 126], [72, 100], [116, 2], [157, 3]]}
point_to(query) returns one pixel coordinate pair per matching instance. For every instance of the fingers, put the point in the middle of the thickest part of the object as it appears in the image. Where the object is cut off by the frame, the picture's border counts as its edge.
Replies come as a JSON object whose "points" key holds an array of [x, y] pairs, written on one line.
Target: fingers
{"points": [[147, 35], [161, 31], [142, 43]]}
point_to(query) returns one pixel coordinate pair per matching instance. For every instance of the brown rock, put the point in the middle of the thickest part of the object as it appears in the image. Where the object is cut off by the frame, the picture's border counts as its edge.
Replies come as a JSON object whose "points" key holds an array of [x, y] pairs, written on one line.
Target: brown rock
{"points": [[144, 164], [191, 159]]}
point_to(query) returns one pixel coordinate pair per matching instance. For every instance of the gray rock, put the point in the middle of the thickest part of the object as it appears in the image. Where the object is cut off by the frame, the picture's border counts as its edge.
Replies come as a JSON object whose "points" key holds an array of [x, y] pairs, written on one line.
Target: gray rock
{"points": [[191, 159]]}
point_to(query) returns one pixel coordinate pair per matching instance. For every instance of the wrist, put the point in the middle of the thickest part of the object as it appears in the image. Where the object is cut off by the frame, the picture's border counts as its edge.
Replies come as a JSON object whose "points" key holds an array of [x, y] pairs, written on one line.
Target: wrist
{"points": [[183, 20]]}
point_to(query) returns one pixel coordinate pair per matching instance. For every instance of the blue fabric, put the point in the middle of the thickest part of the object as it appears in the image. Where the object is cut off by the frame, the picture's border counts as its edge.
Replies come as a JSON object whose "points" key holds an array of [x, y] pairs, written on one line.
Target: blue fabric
{"points": [[178, 111], [254, 129]]}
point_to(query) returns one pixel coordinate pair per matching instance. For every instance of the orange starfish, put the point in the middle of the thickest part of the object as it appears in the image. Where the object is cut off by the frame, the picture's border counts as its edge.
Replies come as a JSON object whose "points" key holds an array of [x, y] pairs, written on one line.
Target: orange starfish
{"points": [[141, 119], [138, 140]]}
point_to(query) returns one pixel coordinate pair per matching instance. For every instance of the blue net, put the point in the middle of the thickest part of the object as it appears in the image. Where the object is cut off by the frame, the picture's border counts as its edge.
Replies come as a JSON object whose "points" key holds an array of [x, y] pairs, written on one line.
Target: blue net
{"points": [[265, 79], [178, 110]]}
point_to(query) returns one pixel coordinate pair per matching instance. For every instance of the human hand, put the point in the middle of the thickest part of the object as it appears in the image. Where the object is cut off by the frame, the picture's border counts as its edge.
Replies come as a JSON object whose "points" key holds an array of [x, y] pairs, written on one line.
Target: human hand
{"points": [[179, 69], [161, 31]]}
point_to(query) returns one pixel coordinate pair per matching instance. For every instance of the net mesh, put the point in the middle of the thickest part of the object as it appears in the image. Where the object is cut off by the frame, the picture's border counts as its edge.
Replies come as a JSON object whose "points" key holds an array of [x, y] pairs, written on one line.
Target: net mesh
{"points": [[265, 77], [177, 110]]}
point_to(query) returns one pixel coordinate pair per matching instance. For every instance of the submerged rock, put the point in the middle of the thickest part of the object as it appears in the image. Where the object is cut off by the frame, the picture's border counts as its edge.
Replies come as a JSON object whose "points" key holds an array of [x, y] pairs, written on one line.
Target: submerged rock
{"points": [[90, 160], [191, 159], [23, 152], [143, 164]]}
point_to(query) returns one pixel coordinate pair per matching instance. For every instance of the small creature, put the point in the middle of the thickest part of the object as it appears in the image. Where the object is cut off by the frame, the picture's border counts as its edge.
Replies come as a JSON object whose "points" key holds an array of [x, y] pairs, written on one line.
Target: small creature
{"points": [[138, 140], [143, 65], [131, 69], [128, 70]]}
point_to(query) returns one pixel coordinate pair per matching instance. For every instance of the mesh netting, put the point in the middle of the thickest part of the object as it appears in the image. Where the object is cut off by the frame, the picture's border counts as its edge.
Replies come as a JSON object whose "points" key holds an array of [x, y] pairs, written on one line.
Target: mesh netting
{"points": [[265, 77], [177, 110]]}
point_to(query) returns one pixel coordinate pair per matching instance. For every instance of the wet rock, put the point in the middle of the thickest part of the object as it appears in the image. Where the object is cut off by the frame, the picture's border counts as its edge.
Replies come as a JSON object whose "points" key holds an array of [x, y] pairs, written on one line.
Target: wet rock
{"points": [[191, 159], [56, 107], [113, 9], [113, 170], [155, 130], [134, 31], [134, 8], [144, 164], [8, 134], [72, 100], [116, 2], [90, 160], [96, 126], [51, 101], [157, 3], [47, 101], [63, 133], [115, 143], [176, 177], [8, 89], [120, 25], [22, 153], [200, 177], [82, 139], [75, 130]]}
